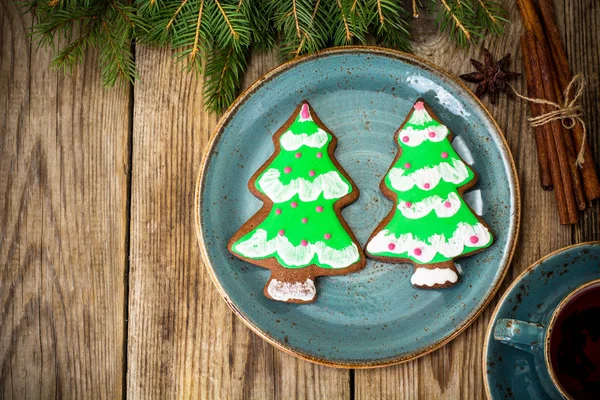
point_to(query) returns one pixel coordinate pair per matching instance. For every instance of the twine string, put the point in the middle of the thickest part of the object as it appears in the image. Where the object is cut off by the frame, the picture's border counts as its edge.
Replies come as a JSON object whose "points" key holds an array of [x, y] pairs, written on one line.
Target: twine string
{"points": [[569, 113]]}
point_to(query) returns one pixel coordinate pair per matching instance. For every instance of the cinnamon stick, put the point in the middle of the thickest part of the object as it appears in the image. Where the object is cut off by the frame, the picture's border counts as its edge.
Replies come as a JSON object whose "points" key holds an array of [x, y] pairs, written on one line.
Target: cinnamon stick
{"points": [[578, 190], [545, 67], [536, 78], [541, 133], [591, 182]]}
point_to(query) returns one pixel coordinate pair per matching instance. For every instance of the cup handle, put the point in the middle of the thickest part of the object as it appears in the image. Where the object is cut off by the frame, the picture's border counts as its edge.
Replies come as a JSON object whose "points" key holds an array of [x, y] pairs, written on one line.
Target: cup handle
{"points": [[522, 335]]}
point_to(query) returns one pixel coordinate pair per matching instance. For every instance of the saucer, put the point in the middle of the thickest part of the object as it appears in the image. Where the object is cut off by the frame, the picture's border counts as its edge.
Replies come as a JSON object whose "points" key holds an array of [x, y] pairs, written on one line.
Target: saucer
{"points": [[510, 373]]}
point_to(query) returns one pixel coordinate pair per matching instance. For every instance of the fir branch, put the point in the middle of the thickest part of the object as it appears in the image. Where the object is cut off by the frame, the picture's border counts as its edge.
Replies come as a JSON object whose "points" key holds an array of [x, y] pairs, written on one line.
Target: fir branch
{"points": [[458, 17], [389, 23], [215, 37], [235, 35], [172, 19], [223, 74], [492, 16]]}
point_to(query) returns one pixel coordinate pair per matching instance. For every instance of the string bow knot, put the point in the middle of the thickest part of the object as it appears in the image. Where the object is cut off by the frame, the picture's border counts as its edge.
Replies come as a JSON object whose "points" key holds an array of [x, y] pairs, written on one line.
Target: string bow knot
{"points": [[569, 112]]}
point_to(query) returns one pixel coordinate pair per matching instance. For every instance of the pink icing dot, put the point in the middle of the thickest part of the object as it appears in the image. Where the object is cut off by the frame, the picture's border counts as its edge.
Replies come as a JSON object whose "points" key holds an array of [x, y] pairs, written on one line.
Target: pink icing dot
{"points": [[293, 204], [474, 239], [408, 204], [418, 252], [405, 139], [311, 172], [287, 170], [319, 155], [432, 134], [444, 155], [407, 165], [304, 243], [419, 105], [278, 211], [281, 232], [298, 155], [427, 186], [319, 208], [391, 246], [328, 236], [304, 220], [304, 113], [447, 204]]}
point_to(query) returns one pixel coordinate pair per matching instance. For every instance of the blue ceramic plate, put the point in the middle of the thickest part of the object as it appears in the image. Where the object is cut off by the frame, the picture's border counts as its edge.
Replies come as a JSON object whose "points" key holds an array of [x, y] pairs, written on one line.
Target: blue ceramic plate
{"points": [[373, 317], [509, 372]]}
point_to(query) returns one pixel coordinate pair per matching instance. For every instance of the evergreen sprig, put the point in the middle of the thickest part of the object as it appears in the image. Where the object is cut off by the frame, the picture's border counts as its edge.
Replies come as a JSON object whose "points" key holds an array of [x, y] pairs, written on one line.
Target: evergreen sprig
{"points": [[216, 37]]}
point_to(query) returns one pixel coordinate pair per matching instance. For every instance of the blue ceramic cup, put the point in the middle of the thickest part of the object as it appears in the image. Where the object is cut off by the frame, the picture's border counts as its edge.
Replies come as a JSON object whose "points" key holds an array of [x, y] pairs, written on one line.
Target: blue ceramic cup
{"points": [[534, 338]]}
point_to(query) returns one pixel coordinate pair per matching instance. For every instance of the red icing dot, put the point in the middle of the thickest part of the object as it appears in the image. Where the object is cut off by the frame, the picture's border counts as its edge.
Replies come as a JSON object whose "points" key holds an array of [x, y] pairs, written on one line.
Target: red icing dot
{"points": [[328, 236], [474, 239], [432, 134], [319, 155], [444, 155], [427, 186], [281, 232], [405, 139], [278, 211], [391, 246], [418, 252], [294, 204], [447, 204], [408, 204], [407, 165], [304, 220], [304, 243], [287, 170], [319, 208], [419, 105], [311, 172], [298, 155]]}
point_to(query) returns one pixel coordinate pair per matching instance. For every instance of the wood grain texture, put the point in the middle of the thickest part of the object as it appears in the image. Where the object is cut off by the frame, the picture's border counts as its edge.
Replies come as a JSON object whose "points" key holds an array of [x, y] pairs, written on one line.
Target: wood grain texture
{"points": [[63, 224], [184, 342], [65, 194]]}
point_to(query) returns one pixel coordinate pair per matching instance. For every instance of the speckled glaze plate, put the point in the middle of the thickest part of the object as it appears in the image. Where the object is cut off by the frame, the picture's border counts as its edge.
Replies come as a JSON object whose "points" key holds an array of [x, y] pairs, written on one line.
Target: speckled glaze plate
{"points": [[510, 373], [373, 317]]}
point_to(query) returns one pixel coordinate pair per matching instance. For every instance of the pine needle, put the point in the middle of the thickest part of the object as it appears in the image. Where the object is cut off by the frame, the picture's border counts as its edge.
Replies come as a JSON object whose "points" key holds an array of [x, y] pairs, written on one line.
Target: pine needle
{"points": [[216, 37]]}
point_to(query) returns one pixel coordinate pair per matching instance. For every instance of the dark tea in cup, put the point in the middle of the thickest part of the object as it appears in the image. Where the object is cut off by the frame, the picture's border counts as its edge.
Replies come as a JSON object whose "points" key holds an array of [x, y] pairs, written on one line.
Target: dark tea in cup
{"points": [[575, 344]]}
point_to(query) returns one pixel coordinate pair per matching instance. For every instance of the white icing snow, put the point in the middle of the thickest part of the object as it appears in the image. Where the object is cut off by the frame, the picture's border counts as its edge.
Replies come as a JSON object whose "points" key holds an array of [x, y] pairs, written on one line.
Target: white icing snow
{"points": [[291, 141], [474, 200], [443, 207], [455, 173], [284, 291], [330, 184], [462, 150], [418, 136], [257, 246], [451, 103], [430, 277], [449, 248]]}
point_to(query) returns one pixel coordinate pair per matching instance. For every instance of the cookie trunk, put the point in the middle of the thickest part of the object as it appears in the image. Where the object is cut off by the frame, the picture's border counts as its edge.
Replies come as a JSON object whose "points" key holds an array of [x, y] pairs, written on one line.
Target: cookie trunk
{"points": [[434, 276], [290, 289]]}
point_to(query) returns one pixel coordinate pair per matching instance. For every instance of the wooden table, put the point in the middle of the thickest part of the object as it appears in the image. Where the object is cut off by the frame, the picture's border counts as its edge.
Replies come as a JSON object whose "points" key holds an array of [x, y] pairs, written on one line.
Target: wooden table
{"points": [[102, 289]]}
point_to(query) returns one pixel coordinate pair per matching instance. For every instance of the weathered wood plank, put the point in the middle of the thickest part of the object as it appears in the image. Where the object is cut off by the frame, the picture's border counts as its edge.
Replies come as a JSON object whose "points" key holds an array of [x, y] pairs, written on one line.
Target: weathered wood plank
{"points": [[183, 340], [455, 371], [63, 212], [583, 50]]}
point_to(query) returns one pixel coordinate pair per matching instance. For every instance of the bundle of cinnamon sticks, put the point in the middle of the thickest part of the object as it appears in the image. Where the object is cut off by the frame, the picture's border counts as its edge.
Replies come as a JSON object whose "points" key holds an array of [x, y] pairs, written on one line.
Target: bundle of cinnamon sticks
{"points": [[548, 74]]}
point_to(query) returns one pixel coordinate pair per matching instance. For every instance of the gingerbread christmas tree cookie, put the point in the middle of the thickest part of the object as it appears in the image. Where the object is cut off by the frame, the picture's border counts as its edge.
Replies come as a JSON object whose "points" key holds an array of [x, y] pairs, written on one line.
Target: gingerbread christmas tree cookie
{"points": [[430, 225], [299, 233]]}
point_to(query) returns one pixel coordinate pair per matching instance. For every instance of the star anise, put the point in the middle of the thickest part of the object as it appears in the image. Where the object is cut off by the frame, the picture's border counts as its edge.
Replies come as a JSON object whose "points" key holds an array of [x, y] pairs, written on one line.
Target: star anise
{"points": [[491, 76]]}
